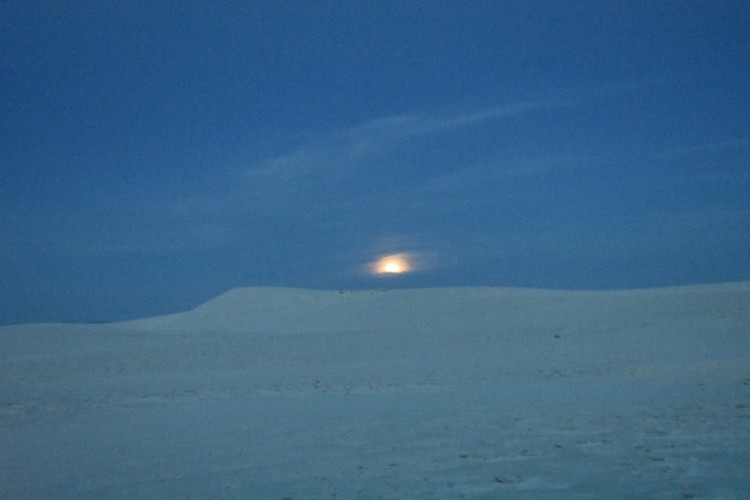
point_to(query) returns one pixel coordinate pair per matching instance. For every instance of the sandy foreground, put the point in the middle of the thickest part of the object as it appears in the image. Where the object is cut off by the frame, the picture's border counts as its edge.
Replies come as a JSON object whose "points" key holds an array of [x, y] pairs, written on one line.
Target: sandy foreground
{"points": [[431, 393]]}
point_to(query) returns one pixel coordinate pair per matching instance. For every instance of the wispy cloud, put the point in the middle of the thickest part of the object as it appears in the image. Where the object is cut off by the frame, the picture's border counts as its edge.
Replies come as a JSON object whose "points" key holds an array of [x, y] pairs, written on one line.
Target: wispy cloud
{"points": [[475, 175], [352, 172], [348, 147]]}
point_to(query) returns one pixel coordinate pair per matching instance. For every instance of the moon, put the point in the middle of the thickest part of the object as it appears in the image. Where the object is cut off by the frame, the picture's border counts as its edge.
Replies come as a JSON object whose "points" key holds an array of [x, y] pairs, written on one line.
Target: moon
{"points": [[391, 264]]}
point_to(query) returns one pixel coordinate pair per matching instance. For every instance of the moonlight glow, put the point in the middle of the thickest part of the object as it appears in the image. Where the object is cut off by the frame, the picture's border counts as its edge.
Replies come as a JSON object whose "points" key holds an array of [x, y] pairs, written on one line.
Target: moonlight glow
{"points": [[391, 264]]}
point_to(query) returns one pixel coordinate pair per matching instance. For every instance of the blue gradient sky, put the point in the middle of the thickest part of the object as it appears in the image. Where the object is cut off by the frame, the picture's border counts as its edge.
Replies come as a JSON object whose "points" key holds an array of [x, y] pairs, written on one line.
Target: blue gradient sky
{"points": [[156, 154]]}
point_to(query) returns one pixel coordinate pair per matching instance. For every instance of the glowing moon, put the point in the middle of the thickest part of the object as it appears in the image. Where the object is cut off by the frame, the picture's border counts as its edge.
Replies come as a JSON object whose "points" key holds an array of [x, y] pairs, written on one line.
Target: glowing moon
{"points": [[391, 264], [393, 267]]}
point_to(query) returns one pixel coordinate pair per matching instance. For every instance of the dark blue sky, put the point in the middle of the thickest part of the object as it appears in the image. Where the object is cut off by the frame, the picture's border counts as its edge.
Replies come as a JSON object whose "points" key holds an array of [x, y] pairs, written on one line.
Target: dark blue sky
{"points": [[156, 154]]}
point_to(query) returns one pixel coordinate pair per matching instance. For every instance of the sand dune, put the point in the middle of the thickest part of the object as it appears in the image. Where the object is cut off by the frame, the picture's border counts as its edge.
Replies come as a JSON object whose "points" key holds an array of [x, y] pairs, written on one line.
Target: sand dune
{"points": [[429, 393]]}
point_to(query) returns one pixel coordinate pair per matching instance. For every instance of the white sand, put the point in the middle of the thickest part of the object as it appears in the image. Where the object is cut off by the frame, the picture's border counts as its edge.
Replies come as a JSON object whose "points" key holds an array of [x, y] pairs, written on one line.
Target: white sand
{"points": [[435, 393]]}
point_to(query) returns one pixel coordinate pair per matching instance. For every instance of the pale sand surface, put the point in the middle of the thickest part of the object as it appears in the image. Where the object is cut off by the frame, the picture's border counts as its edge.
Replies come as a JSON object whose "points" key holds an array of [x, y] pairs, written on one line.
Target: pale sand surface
{"points": [[431, 393]]}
